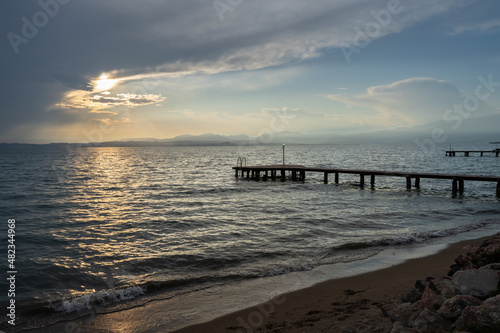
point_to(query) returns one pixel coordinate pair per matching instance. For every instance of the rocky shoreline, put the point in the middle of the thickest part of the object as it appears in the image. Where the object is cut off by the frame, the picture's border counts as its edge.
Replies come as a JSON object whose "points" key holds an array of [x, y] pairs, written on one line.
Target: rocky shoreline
{"points": [[466, 300]]}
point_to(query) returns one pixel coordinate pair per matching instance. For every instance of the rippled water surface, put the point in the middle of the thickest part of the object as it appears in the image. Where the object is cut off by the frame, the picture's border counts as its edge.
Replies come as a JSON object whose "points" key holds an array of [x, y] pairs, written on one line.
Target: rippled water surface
{"points": [[94, 219]]}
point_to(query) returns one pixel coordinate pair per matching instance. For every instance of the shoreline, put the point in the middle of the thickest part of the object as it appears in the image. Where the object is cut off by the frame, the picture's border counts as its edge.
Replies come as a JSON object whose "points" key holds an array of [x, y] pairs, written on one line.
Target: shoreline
{"points": [[306, 304], [344, 304]]}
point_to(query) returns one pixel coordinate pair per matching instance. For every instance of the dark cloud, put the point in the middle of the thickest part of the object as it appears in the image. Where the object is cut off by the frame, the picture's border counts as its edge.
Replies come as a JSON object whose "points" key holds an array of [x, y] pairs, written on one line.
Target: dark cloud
{"points": [[69, 43]]}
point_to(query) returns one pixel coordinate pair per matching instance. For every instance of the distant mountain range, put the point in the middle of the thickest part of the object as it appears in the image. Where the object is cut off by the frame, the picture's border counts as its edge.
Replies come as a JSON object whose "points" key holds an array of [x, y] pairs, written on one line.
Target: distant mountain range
{"points": [[458, 130]]}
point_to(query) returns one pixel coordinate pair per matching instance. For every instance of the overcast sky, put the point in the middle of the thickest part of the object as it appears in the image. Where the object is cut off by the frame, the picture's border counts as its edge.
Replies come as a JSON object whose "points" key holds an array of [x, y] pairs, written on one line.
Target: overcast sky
{"points": [[80, 70]]}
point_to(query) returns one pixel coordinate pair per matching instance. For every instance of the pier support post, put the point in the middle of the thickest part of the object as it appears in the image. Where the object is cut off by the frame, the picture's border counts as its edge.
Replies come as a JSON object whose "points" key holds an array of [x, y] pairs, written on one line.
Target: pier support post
{"points": [[325, 178], [372, 180], [248, 174], [461, 186], [498, 189], [303, 175], [257, 175], [266, 175], [236, 174], [466, 154], [408, 183], [336, 177], [417, 182], [454, 187], [294, 175], [283, 177], [361, 180]]}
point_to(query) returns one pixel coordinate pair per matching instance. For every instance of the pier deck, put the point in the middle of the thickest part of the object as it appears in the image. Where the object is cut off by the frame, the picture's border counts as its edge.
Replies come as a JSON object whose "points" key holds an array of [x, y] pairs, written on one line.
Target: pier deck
{"points": [[466, 153], [298, 172]]}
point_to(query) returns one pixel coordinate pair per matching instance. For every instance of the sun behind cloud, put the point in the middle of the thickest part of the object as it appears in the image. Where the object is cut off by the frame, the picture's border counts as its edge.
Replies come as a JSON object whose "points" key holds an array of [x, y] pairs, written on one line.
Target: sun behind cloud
{"points": [[104, 83]]}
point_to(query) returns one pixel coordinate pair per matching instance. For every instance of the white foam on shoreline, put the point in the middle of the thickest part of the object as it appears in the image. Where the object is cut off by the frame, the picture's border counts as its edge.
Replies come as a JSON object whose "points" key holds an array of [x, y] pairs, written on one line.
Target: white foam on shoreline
{"points": [[101, 298]]}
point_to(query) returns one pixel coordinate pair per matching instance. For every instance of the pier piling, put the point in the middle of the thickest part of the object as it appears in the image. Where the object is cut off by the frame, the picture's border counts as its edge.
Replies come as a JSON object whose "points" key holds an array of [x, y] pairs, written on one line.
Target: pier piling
{"points": [[298, 173]]}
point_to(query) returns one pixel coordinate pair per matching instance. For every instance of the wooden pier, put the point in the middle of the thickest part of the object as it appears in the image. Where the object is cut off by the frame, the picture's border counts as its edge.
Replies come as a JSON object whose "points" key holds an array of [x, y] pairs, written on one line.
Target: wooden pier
{"points": [[466, 153], [298, 173]]}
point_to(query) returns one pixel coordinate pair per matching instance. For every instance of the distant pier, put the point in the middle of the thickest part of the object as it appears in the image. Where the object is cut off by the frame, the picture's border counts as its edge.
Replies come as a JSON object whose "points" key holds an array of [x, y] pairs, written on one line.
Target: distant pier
{"points": [[467, 153], [298, 173]]}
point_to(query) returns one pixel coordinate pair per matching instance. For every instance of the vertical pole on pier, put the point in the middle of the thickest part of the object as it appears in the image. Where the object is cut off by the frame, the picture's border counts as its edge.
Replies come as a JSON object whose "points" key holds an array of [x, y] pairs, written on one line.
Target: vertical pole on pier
{"points": [[372, 180], [461, 186], [325, 178], [408, 183], [283, 154], [336, 177], [417, 182], [361, 180]]}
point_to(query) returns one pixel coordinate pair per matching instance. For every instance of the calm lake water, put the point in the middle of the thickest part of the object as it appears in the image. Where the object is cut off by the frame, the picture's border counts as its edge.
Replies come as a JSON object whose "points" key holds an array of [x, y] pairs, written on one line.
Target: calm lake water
{"points": [[98, 226]]}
